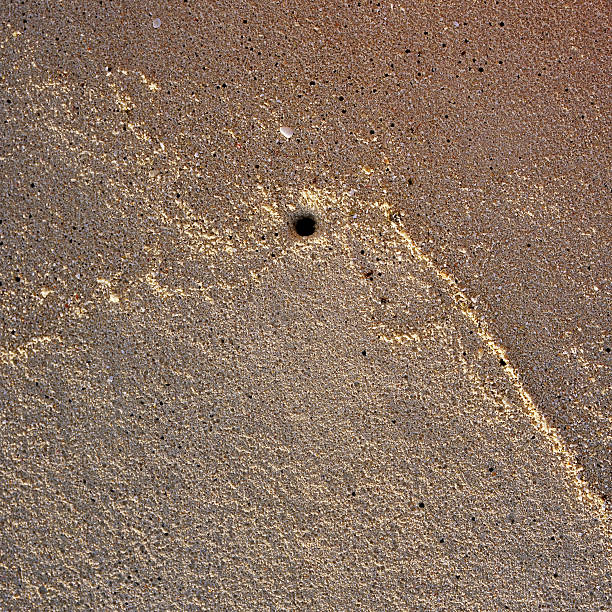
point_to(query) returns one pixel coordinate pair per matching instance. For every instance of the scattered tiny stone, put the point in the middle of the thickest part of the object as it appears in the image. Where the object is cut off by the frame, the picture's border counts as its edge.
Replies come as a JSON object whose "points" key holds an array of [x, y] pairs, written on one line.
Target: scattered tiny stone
{"points": [[156, 22], [287, 132]]}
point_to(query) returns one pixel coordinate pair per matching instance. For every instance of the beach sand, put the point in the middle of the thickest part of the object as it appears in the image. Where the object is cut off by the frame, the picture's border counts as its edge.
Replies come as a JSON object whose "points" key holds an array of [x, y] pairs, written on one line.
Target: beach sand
{"points": [[407, 409]]}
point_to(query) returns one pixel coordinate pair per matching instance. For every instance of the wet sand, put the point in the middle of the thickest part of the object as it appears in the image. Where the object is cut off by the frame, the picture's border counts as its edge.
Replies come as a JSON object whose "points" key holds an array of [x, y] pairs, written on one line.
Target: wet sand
{"points": [[408, 409]]}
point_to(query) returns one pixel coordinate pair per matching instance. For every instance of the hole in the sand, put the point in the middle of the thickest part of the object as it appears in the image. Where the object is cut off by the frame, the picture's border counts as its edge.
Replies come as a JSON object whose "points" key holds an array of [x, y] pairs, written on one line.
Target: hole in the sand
{"points": [[305, 225]]}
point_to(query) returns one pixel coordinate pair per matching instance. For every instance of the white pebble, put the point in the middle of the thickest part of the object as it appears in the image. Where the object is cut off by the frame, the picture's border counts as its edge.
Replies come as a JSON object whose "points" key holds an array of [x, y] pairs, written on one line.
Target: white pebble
{"points": [[287, 132], [156, 22]]}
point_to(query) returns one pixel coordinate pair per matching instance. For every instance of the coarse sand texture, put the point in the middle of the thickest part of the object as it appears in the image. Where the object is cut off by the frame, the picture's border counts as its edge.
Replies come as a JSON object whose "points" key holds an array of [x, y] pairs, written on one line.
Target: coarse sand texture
{"points": [[305, 306]]}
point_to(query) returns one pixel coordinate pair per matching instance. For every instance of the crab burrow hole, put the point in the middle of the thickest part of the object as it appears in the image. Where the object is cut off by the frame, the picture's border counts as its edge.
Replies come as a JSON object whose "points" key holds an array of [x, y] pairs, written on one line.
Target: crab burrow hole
{"points": [[304, 224]]}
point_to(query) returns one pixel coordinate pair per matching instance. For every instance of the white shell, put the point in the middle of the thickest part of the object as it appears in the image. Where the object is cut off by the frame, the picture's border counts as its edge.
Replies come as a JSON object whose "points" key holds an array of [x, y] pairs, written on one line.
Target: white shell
{"points": [[287, 132], [156, 22]]}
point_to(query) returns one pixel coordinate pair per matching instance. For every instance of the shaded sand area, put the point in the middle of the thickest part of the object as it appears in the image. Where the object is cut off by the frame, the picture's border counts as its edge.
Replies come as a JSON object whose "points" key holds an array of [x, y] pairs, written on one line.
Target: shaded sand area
{"points": [[407, 409]]}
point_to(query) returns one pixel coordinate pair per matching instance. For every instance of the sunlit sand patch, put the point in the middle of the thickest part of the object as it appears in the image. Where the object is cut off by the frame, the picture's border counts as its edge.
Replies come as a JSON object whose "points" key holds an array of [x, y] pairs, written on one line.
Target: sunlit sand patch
{"points": [[400, 338], [25, 351], [113, 297], [87, 142], [162, 290], [150, 84]]}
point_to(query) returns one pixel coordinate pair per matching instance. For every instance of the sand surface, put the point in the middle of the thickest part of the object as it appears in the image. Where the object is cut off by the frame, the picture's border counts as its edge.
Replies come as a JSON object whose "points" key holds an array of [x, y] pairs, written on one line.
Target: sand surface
{"points": [[408, 409]]}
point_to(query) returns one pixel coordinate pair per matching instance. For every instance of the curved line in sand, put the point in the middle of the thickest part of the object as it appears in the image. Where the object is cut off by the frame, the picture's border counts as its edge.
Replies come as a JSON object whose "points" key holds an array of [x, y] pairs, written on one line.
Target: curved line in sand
{"points": [[540, 422]]}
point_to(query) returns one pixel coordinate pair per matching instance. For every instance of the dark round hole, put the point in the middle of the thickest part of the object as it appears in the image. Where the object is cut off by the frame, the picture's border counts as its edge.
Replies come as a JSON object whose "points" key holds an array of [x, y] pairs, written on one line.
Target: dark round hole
{"points": [[305, 225]]}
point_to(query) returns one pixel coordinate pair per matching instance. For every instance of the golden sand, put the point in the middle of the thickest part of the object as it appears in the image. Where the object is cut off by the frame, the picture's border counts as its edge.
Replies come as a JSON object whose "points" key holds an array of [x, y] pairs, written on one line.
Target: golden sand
{"points": [[400, 403]]}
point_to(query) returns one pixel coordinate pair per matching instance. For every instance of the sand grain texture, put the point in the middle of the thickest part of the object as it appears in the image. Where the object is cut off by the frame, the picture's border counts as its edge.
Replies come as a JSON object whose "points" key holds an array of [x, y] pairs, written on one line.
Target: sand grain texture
{"points": [[408, 409]]}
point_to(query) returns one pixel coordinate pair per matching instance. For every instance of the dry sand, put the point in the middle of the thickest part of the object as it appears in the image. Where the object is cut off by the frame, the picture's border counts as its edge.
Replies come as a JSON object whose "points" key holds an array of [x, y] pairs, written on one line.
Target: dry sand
{"points": [[408, 409]]}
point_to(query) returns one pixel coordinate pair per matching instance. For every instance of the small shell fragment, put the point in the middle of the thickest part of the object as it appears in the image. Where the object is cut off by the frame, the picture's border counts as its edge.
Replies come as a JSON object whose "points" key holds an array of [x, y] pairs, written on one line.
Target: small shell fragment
{"points": [[156, 22], [287, 132]]}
